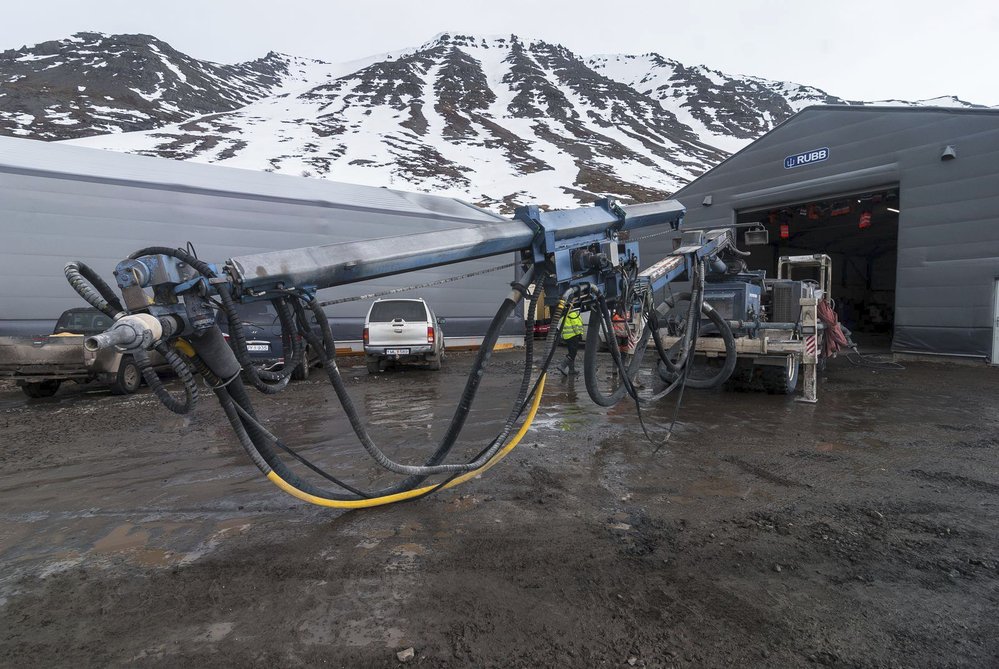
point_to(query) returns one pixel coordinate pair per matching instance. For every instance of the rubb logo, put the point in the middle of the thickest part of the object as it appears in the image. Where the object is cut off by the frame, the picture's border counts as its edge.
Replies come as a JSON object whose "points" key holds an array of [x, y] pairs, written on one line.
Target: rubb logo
{"points": [[806, 158]]}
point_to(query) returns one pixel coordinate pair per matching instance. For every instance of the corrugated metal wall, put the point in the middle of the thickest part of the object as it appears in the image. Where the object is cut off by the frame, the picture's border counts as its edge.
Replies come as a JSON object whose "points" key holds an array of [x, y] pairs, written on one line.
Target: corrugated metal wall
{"points": [[60, 203], [948, 239]]}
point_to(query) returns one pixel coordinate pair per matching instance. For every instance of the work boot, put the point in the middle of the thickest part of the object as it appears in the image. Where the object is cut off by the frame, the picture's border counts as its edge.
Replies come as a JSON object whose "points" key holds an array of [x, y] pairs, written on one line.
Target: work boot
{"points": [[572, 368], [563, 367]]}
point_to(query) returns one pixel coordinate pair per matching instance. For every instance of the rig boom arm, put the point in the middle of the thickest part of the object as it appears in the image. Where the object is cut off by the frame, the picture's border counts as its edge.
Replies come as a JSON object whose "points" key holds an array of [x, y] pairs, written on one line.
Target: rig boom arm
{"points": [[584, 258]]}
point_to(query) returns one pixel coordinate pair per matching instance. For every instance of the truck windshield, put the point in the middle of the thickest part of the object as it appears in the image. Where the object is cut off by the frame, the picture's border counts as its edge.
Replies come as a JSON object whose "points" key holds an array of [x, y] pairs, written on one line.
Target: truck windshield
{"points": [[389, 310], [258, 313], [82, 321]]}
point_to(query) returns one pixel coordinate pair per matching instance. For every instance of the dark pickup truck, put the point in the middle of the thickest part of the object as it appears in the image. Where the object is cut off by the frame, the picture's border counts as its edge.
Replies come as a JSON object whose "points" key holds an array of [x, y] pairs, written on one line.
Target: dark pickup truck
{"points": [[40, 364]]}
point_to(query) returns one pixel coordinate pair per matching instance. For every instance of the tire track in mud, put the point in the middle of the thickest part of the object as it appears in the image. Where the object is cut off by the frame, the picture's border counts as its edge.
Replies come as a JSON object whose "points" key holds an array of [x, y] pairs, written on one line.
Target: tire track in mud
{"points": [[765, 474], [955, 479]]}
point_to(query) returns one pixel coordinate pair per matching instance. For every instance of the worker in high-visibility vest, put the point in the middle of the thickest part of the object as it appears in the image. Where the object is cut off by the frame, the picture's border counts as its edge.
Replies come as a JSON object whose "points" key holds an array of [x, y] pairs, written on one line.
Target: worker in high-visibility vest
{"points": [[572, 335]]}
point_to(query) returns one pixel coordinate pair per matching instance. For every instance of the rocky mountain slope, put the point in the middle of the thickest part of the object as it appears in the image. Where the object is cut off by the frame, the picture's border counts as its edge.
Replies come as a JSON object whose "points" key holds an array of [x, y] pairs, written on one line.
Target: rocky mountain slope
{"points": [[93, 84], [497, 121]]}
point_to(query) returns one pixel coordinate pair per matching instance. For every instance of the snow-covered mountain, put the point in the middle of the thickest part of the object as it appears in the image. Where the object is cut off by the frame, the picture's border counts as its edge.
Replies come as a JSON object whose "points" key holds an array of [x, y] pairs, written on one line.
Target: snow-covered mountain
{"points": [[498, 121], [724, 110], [93, 83]]}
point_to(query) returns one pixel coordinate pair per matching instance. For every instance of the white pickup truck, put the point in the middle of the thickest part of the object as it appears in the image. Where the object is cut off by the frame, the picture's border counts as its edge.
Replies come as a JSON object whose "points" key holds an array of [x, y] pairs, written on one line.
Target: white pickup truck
{"points": [[402, 330], [40, 364]]}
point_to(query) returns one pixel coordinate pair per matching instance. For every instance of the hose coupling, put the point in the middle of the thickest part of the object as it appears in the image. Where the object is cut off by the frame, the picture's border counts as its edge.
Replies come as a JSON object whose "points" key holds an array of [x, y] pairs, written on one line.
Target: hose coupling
{"points": [[129, 333]]}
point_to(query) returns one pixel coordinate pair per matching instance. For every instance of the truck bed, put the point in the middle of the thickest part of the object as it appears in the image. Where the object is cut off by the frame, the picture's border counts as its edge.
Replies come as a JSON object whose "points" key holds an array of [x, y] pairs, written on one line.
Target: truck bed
{"points": [[44, 357]]}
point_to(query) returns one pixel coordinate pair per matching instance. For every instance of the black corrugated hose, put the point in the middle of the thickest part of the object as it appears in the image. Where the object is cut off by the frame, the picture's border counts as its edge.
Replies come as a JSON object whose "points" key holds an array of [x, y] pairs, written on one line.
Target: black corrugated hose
{"points": [[265, 382], [92, 288], [247, 423]]}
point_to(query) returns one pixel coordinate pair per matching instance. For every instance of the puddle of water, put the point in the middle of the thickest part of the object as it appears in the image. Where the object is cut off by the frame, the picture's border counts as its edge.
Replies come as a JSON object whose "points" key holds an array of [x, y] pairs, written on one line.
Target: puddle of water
{"points": [[218, 631], [122, 538]]}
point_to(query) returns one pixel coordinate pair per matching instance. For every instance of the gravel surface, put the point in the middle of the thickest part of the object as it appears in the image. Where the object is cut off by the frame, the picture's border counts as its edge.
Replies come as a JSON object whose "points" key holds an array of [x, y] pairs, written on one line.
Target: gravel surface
{"points": [[859, 532]]}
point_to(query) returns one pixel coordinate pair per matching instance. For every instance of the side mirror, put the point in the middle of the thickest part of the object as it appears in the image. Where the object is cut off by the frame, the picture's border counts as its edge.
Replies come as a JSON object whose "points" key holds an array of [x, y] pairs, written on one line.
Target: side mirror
{"points": [[757, 237], [441, 321]]}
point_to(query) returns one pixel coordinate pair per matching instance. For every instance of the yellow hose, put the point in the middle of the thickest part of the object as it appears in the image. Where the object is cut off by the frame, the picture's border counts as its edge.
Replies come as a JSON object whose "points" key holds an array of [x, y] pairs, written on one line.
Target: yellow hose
{"points": [[409, 494], [185, 347]]}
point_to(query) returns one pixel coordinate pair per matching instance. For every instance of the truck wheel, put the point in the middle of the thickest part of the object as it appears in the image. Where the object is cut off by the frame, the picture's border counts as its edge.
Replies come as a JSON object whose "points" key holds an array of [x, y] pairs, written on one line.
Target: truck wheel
{"points": [[374, 365], [128, 379], [301, 372], [782, 379], [41, 389], [435, 362], [742, 378]]}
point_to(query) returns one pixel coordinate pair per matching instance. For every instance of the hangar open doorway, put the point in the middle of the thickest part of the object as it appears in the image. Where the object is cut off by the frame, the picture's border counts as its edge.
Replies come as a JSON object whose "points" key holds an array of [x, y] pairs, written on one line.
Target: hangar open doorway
{"points": [[859, 232]]}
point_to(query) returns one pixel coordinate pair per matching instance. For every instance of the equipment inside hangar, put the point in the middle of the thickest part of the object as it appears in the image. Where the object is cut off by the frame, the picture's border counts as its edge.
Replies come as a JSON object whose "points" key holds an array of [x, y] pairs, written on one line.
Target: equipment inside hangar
{"points": [[859, 232]]}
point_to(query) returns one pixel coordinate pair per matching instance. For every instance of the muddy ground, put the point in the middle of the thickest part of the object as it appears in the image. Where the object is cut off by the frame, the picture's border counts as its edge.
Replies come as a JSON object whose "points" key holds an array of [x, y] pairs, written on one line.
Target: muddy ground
{"points": [[861, 532]]}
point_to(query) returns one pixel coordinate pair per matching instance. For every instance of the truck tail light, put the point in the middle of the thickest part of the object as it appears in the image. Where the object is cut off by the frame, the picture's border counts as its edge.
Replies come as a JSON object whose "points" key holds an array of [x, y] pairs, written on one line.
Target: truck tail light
{"points": [[364, 336], [430, 334]]}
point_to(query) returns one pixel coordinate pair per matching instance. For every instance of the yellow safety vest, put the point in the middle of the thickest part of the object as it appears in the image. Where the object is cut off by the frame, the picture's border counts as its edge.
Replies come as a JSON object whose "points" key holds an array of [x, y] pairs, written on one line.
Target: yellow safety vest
{"points": [[573, 325]]}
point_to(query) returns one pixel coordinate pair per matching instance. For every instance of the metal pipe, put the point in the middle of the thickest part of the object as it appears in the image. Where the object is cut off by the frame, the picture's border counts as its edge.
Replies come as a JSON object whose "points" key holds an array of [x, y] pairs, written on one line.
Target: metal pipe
{"points": [[761, 325], [349, 262]]}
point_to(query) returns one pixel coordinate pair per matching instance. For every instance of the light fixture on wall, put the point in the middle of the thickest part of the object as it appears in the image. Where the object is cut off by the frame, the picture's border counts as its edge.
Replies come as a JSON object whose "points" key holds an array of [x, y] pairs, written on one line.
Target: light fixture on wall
{"points": [[707, 201], [757, 237], [949, 153]]}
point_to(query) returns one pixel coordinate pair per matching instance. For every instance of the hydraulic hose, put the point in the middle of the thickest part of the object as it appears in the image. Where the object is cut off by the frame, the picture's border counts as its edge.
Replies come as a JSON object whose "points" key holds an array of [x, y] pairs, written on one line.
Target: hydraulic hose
{"points": [[229, 308], [731, 357], [180, 368], [696, 297], [258, 441], [551, 340], [287, 480], [92, 288], [590, 358], [238, 338], [287, 483], [327, 349], [292, 350], [225, 363], [518, 409], [98, 294], [461, 413], [676, 371]]}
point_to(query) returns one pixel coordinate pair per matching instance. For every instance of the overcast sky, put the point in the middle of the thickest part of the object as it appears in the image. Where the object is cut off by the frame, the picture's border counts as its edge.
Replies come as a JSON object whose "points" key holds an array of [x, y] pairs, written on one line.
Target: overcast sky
{"points": [[867, 50]]}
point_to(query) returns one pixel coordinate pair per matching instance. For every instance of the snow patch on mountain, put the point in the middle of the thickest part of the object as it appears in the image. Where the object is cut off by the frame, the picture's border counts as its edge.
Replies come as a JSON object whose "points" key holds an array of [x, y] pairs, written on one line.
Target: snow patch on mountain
{"points": [[499, 120]]}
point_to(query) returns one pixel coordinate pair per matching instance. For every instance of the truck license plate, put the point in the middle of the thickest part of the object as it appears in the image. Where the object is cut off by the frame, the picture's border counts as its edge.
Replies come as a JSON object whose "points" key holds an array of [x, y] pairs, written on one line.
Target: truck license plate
{"points": [[397, 351], [258, 347]]}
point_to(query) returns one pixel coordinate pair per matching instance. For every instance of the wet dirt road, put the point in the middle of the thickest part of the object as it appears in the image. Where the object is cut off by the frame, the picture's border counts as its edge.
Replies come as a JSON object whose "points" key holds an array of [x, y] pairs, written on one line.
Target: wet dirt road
{"points": [[861, 532]]}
